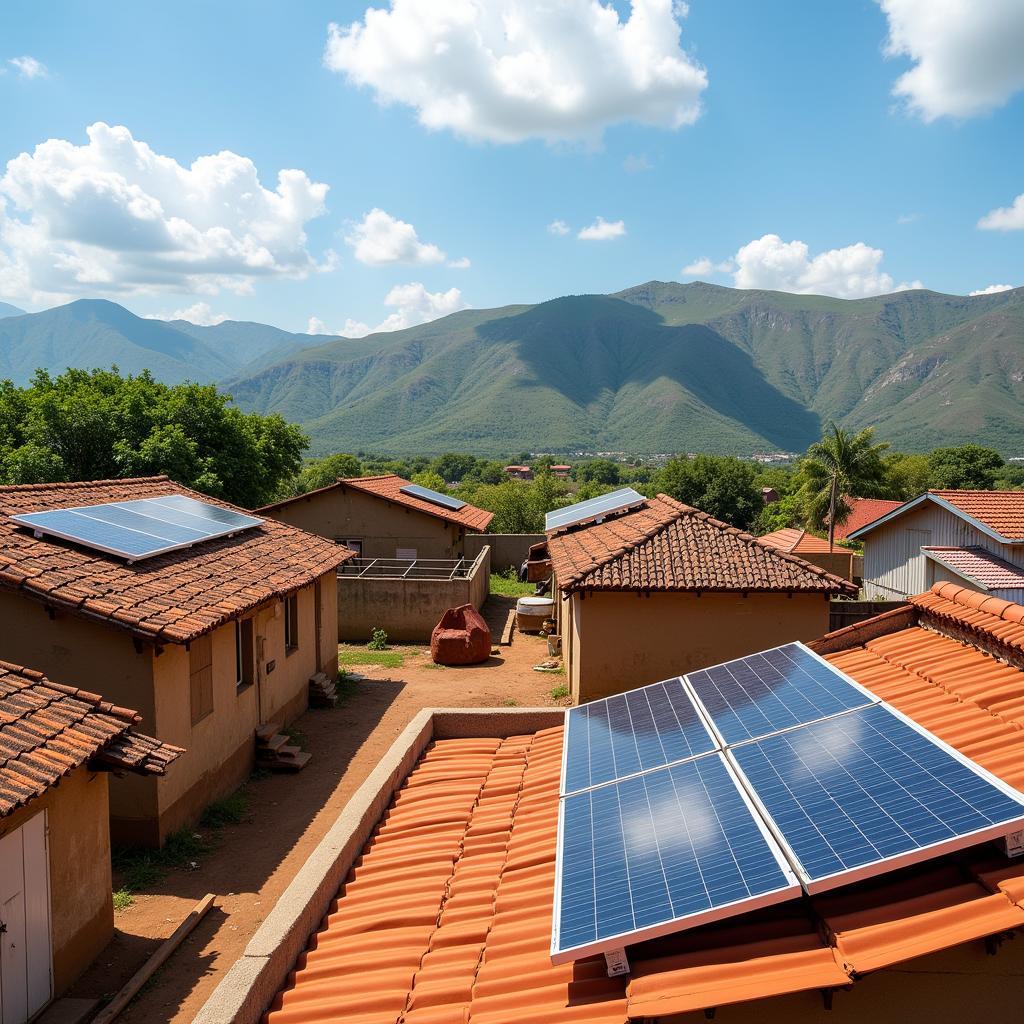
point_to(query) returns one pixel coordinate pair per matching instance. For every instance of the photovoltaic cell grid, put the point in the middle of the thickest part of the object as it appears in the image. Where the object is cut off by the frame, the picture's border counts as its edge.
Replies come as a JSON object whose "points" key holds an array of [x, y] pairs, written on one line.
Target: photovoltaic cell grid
{"points": [[142, 528], [434, 497], [777, 689], [593, 508], [866, 788], [675, 847], [630, 733]]}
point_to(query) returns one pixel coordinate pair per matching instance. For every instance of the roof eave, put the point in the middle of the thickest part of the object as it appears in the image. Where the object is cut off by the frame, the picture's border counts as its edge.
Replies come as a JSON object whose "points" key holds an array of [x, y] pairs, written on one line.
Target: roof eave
{"points": [[942, 503]]}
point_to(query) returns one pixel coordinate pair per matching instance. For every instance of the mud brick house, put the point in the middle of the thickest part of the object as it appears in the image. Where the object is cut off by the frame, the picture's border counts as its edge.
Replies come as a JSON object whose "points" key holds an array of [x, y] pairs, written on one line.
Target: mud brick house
{"points": [[208, 642], [443, 873], [58, 745], [376, 518], [663, 588]]}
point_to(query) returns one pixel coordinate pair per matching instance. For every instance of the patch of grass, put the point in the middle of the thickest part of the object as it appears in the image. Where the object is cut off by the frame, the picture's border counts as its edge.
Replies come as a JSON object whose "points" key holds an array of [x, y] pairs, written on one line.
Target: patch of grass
{"points": [[510, 702], [229, 810], [353, 656], [123, 899], [434, 664], [506, 584], [141, 868], [560, 693], [296, 737]]}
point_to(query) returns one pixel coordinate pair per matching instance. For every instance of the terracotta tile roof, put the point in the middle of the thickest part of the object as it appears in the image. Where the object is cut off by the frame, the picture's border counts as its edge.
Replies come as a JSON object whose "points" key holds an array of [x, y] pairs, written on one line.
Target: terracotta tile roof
{"points": [[170, 598], [800, 542], [389, 486], [980, 566], [1001, 511], [47, 730], [862, 512], [446, 917], [666, 545]]}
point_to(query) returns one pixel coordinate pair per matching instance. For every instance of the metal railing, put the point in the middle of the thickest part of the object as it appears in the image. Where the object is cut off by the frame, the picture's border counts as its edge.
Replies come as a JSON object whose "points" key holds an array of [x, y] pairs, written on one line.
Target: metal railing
{"points": [[439, 570]]}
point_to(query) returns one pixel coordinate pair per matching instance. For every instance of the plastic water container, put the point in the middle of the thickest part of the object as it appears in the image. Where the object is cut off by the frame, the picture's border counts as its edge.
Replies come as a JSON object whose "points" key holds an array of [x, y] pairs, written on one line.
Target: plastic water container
{"points": [[533, 612]]}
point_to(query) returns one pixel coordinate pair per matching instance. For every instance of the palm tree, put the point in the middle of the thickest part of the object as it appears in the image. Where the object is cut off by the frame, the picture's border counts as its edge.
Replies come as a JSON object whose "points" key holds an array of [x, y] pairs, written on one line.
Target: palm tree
{"points": [[841, 463]]}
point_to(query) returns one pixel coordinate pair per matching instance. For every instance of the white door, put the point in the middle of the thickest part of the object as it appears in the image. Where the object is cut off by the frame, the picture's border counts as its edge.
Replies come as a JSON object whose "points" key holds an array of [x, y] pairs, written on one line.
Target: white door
{"points": [[25, 965]]}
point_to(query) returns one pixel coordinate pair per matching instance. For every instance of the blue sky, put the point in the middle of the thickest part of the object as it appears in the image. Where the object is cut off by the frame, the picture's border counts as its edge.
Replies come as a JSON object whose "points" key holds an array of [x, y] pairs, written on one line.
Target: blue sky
{"points": [[730, 135]]}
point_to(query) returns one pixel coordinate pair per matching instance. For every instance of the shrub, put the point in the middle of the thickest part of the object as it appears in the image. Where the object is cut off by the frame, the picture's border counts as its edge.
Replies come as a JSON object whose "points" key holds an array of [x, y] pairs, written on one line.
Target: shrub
{"points": [[378, 640]]}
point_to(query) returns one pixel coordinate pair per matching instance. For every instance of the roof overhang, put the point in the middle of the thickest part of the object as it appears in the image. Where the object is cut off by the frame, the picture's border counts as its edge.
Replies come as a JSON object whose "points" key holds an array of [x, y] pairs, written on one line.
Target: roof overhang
{"points": [[941, 503], [935, 555]]}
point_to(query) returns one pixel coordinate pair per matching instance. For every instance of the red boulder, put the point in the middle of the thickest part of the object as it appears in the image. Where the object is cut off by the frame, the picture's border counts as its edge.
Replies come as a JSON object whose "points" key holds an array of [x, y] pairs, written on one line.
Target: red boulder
{"points": [[460, 638]]}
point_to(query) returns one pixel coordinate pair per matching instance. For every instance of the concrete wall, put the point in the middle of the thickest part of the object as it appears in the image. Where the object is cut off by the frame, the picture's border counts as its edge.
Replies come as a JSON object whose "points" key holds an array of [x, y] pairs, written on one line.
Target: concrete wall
{"points": [[81, 910], [506, 548], [343, 513], [407, 610], [624, 640], [839, 562], [219, 749]]}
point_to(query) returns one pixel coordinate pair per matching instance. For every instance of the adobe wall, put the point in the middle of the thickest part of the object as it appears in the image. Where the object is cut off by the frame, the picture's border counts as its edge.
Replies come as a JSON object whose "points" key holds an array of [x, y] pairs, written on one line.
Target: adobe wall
{"points": [[507, 549]]}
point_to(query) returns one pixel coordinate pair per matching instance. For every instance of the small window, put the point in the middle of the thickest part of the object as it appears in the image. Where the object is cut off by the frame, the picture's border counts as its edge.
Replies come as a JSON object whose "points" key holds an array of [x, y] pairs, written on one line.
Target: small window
{"points": [[244, 654], [291, 624], [409, 553], [352, 544], [200, 677]]}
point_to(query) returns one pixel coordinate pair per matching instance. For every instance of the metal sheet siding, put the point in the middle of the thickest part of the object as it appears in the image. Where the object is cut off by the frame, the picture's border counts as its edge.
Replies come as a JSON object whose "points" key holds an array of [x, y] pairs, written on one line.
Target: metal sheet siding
{"points": [[891, 569]]}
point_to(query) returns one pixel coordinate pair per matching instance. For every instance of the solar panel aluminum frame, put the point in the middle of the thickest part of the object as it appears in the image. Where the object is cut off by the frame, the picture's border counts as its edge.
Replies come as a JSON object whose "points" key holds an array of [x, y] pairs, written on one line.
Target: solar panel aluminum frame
{"points": [[701, 714], [40, 530], [428, 494], [551, 524], [870, 698], [884, 866], [629, 938]]}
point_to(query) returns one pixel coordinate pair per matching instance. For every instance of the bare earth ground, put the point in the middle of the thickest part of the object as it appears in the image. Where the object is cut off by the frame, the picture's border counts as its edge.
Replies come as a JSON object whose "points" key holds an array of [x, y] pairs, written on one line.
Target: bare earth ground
{"points": [[287, 816]]}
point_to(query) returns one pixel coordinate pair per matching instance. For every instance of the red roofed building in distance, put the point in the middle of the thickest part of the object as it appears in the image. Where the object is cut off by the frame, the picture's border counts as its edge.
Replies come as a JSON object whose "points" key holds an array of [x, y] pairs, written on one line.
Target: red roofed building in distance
{"points": [[519, 472], [972, 538], [208, 642]]}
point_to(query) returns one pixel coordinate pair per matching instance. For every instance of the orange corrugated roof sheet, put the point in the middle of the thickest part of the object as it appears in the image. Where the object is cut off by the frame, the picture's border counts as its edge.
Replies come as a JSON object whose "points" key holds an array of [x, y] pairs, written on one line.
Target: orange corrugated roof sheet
{"points": [[447, 915], [666, 545]]}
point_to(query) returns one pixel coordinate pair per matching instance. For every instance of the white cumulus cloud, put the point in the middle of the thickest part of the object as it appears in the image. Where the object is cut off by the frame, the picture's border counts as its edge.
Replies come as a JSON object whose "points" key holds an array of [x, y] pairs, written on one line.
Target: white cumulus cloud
{"points": [[509, 70], [602, 230], [462, 263], [966, 54], [199, 314], [1005, 218], [558, 227], [379, 239], [113, 216], [29, 67], [705, 266], [412, 304], [993, 289], [852, 272]]}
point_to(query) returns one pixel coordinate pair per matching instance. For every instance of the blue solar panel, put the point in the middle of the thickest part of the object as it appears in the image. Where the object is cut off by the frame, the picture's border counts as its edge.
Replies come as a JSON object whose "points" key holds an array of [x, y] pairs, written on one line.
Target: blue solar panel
{"points": [[142, 528], [867, 791], [434, 497], [593, 509], [670, 849], [632, 732], [773, 690]]}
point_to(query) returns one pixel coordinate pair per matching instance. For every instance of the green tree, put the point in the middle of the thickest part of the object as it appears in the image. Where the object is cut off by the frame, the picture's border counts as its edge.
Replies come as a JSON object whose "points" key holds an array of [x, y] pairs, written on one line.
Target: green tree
{"points": [[428, 478], [323, 472], [453, 466], [89, 425], [906, 476], [721, 485], [841, 463], [968, 467], [598, 471]]}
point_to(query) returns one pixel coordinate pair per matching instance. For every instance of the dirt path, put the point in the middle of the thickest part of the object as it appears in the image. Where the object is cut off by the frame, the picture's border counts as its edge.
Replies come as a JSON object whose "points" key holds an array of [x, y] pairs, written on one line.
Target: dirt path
{"points": [[287, 816]]}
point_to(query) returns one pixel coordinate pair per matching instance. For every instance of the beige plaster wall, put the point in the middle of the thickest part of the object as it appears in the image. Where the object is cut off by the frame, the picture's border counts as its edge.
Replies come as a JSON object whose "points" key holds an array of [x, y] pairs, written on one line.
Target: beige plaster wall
{"points": [[625, 640], [81, 911], [383, 526]]}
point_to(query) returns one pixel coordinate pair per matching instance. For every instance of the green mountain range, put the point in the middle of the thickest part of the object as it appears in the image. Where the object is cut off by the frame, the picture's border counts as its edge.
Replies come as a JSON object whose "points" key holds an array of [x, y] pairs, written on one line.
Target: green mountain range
{"points": [[664, 368], [657, 368], [93, 332]]}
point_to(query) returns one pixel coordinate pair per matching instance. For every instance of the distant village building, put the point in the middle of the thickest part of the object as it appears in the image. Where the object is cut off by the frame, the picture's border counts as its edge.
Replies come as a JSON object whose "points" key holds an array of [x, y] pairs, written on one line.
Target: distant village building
{"points": [[769, 495], [519, 472], [663, 588], [59, 746], [372, 516], [208, 642], [561, 471], [972, 538], [837, 560]]}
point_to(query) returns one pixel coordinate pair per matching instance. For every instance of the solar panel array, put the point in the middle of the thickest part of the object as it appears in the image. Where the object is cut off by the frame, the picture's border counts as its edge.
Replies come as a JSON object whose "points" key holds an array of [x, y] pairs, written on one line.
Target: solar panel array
{"points": [[631, 733], [592, 510], [142, 528], [434, 497], [773, 690], [737, 786]]}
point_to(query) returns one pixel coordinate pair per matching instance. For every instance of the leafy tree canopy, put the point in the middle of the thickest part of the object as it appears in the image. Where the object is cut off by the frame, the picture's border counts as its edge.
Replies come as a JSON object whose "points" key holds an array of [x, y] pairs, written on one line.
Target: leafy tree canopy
{"points": [[721, 485], [968, 467], [598, 471], [323, 472], [453, 466], [92, 425]]}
